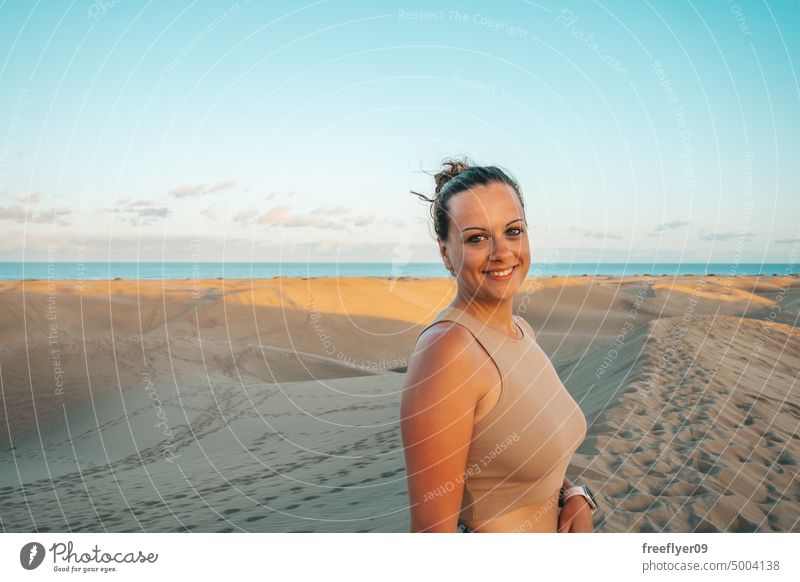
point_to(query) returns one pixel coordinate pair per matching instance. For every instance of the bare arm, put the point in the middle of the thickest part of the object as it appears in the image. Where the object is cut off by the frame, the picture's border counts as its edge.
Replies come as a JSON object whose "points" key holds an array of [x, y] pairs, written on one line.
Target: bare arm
{"points": [[437, 412]]}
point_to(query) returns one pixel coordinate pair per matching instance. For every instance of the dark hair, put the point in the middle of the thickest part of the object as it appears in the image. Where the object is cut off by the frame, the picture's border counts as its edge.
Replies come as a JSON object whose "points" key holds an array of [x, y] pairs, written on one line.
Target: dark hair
{"points": [[457, 176]]}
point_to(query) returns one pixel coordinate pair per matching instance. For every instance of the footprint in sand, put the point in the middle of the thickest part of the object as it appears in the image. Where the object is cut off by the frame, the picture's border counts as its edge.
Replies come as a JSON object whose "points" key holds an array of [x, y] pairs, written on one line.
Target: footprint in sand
{"points": [[619, 490], [678, 490], [699, 525], [707, 466], [645, 458], [616, 464], [639, 502]]}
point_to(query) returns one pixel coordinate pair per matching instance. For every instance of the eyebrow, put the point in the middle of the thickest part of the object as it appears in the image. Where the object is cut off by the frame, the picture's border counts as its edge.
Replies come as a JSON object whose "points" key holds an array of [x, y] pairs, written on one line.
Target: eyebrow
{"points": [[480, 228]]}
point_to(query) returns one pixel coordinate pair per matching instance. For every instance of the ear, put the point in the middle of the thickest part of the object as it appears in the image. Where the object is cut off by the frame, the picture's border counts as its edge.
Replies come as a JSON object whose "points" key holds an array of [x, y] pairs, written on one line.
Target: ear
{"points": [[443, 252]]}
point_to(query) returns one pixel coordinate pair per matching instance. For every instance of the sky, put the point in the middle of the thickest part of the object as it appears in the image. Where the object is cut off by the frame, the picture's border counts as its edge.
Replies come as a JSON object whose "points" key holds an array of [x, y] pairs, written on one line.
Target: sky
{"points": [[293, 131]]}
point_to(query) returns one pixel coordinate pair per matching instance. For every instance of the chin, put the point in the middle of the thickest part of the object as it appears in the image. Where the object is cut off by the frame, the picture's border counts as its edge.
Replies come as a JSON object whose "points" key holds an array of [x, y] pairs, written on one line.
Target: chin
{"points": [[499, 291], [508, 293]]}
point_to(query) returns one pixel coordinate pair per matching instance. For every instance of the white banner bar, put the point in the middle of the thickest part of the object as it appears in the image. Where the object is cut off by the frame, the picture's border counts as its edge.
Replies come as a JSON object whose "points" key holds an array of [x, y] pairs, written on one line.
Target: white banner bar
{"points": [[352, 556]]}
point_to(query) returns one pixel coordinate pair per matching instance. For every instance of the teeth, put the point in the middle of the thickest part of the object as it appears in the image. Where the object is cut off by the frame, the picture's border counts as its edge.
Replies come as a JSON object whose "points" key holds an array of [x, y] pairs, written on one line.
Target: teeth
{"points": [[500, 273]]}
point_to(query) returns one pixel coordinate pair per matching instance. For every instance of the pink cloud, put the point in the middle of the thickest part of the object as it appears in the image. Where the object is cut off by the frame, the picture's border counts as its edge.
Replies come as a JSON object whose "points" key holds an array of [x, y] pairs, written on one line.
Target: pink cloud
{"points": [[280, 216], [19, 215], [199, 189]]}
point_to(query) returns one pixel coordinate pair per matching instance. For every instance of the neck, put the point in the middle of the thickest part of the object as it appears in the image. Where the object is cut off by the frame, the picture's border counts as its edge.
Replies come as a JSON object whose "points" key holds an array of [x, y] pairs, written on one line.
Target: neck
{"points": [[498, 314]]}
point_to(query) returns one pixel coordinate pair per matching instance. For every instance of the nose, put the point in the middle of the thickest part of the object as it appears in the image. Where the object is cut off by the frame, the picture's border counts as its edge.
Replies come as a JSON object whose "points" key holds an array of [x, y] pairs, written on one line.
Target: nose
{"points": [[501, 250]]}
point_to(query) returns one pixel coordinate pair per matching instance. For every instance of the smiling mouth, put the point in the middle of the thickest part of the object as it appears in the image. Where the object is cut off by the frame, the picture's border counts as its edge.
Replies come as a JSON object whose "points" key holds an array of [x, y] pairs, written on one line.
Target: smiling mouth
{"points": [[501, 273]]}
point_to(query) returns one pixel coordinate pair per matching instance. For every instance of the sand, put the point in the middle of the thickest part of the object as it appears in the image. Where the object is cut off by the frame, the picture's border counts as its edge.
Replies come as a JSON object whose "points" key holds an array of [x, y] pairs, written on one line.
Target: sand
{"points": [[272, 405]]}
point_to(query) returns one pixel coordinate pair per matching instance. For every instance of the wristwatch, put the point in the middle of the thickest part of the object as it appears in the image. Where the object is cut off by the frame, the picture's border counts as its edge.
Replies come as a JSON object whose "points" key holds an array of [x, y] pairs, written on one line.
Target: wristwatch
{"points": [[564, 494]]}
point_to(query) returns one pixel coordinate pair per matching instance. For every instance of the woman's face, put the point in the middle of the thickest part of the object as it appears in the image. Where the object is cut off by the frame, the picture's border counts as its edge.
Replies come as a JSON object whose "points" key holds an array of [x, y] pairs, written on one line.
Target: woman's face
{"points": [[487, 242]]}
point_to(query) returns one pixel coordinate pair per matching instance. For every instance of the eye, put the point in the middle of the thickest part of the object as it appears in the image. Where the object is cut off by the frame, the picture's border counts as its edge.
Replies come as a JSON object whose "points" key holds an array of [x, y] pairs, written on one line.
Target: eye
{"points": [[515, 231], [475, 238]]}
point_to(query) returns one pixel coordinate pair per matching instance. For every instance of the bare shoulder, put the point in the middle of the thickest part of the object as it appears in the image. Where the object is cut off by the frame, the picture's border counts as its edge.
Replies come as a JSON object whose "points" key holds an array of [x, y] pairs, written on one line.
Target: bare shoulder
{"points": [[447, 356], [446, 343]]}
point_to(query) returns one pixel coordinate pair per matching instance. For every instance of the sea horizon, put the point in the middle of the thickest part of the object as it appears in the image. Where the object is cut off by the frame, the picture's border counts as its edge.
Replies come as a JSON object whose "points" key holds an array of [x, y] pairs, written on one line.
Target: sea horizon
{"points": [[129, 270]]}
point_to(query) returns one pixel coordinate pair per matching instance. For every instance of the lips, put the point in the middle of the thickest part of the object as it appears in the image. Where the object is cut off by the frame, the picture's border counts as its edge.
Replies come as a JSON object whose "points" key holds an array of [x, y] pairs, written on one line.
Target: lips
{"points": [[501, 274]]}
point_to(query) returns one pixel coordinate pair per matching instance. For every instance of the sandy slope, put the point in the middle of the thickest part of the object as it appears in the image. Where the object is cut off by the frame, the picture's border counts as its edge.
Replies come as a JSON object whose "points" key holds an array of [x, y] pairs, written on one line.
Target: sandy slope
{"points": [[269, 405], [704, 434]]}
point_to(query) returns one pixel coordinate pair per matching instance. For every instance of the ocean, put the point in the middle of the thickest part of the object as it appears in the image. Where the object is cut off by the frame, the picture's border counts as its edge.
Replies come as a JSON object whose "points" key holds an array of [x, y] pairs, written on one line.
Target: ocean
{"points": [[157, 270]]}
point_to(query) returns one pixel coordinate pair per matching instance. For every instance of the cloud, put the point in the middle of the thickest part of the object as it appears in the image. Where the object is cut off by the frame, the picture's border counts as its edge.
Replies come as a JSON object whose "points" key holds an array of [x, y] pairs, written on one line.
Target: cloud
{"points": [[139, 212], [212, 212], [330, 211], [128, 244], [787, 241], [281, 216], [161, 212], [715, 236], [364, 220], [19, 215], [32, 198], [200, 189], [396, 253], [675, 224], [665, 226], [597, 234], [245, 217], [275, 215], [602, 235], [128, 205], [137, 203]]}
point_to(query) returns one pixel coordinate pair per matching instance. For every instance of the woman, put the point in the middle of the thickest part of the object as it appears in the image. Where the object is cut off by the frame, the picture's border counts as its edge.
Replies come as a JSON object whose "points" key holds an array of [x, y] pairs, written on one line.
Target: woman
{"points": [[487, 426]]}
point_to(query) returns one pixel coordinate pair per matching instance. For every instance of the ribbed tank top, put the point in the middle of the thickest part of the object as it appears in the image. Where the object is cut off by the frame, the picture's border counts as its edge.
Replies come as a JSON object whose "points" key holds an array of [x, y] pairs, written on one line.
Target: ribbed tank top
{"points": [[520, 450]]}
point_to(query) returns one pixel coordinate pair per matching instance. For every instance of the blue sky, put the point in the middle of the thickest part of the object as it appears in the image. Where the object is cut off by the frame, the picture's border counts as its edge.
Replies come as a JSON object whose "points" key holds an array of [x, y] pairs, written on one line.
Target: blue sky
{"points": [[654, 131]]}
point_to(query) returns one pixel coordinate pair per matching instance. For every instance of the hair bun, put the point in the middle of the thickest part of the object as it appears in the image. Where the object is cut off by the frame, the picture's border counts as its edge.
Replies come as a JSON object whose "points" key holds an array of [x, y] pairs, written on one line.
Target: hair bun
{"points": [[452, 169], [447, 187]]}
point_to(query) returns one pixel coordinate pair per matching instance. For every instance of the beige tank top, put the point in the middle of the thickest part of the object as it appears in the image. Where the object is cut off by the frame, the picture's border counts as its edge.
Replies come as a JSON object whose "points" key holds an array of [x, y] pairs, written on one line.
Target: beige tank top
{"points": [[520, 450]]}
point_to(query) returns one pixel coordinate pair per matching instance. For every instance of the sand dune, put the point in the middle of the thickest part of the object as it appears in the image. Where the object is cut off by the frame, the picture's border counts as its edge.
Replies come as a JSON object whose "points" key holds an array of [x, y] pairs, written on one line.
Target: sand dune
{"points": [[272, 405], [702, 433]]}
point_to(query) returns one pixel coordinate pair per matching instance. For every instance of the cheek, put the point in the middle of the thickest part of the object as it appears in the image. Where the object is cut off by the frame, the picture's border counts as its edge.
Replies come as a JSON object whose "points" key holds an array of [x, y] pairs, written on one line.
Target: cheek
{"points": [[524, 249], [474, 255]]}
